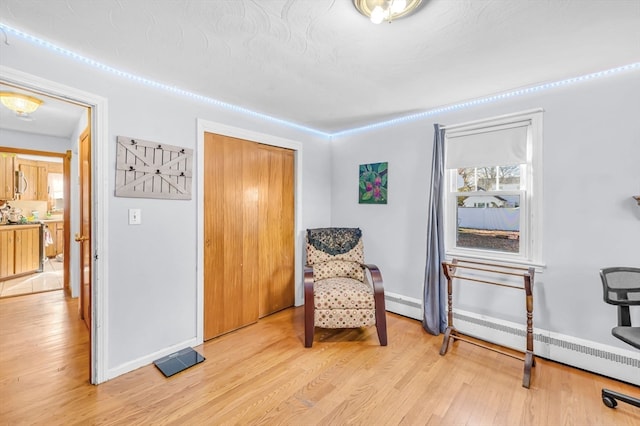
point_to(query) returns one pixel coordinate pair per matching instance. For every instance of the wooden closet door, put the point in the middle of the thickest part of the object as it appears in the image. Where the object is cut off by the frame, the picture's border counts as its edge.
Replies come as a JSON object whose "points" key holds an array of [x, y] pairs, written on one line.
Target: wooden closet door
{"points": [[276, 251], [248, 232], [230, 287]]}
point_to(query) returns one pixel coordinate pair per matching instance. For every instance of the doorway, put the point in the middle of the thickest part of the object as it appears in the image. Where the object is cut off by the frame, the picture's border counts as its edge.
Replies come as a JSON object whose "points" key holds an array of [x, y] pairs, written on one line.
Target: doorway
{"points": [[45, 210], [99, 204]]}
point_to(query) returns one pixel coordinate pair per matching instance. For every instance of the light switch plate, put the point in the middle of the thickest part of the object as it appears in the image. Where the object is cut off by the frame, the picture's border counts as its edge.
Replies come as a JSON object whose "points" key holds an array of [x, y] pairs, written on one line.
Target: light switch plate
{"points": [[135, 216]]}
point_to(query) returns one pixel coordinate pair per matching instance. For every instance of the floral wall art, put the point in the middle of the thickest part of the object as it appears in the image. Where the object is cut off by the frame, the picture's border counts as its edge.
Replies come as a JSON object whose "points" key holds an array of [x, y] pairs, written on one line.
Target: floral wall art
{"points": [[373, 183]]}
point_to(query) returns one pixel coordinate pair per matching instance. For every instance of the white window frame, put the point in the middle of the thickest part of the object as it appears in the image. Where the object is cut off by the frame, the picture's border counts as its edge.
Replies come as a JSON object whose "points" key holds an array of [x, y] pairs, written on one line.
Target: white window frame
{"points": [[530, 194]]}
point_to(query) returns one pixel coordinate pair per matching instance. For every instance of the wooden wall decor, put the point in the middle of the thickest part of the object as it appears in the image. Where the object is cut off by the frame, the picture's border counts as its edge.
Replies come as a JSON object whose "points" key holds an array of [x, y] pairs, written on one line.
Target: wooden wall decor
{"points": [[147, 169]]}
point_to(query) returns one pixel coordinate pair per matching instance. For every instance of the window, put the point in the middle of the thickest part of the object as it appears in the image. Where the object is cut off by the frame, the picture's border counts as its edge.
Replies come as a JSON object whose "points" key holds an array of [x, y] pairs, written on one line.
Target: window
{"points": [[493, 188]]}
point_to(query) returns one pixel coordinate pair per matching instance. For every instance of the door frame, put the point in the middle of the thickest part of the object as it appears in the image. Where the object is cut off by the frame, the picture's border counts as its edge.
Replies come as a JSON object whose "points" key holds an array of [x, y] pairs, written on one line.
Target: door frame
{"points": [[99, 206], [204, 126]]}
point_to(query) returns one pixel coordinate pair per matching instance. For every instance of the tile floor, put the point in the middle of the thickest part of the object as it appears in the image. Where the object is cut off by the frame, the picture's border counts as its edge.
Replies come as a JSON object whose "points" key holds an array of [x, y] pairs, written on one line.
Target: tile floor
{"points": [[50, 279]]}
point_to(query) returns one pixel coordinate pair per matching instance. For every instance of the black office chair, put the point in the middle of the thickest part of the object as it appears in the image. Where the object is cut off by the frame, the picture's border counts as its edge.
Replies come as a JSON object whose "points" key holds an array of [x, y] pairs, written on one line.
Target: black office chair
{"points": [[621, 287]]}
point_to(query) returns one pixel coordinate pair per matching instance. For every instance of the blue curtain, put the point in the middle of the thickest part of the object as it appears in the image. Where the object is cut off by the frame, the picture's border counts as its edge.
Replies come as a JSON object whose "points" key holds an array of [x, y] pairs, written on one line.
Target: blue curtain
{"points": [[435, 292]]}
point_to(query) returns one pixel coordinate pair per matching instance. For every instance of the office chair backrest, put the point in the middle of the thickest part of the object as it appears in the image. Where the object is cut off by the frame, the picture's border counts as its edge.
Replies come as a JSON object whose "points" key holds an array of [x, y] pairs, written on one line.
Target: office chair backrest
{"points": [[621, 285]]}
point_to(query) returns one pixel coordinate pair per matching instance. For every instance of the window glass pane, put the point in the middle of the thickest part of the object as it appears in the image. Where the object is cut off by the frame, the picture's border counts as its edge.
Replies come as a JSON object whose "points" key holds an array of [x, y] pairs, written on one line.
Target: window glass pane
{"points": [[508, 178], [495, 178], [488, 222], [466, 179]]}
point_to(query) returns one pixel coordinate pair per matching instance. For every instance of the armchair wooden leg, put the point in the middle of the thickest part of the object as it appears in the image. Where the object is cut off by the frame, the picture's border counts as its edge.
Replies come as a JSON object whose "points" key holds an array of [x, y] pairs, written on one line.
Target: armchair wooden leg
{"points": [[309, 308], [381, 326], [309, 328]]}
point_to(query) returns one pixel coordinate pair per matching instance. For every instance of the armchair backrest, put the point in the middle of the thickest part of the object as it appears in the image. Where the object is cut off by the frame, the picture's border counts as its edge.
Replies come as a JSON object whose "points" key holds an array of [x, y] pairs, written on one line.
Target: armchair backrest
{"points": [[335, 252]]}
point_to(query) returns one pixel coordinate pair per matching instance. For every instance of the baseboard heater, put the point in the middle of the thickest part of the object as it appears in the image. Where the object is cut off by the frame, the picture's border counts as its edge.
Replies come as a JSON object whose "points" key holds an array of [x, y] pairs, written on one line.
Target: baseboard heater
{"points": [[602, 359], [610, 361]]}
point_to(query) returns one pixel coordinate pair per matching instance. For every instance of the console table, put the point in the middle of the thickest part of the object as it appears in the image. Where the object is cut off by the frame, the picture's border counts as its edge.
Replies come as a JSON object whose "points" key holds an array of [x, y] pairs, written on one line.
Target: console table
{"points": [[498, 275]]}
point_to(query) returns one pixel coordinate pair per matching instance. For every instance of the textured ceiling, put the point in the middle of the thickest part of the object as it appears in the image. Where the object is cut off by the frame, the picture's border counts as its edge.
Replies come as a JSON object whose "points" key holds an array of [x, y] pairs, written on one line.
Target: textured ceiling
{"points": [[321, 64], [54, 117]]}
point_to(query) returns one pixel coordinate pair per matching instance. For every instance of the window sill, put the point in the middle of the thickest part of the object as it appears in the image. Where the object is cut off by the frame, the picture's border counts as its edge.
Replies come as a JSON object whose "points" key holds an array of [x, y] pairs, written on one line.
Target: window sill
{"points": [[463, 255]]}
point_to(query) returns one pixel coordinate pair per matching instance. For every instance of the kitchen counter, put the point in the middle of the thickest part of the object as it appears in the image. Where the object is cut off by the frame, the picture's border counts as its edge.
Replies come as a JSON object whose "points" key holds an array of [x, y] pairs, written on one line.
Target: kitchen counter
{"points": [[53, 219], [20, 225]]}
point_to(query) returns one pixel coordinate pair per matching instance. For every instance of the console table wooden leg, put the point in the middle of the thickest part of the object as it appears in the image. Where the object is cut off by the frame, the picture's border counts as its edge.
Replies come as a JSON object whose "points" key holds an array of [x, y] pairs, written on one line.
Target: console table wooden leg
{"points": [[445, 340], [529, 360]]}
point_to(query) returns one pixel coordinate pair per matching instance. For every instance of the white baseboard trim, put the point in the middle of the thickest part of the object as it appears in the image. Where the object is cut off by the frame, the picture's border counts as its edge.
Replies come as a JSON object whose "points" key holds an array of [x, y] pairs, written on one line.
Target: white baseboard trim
{"points": [[610, 361], [148, 359], [403, 305]]}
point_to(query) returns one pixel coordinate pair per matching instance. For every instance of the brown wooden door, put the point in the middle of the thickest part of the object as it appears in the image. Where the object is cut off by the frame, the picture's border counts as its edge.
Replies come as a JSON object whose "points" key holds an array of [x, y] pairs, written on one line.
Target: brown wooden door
{"points": [[276, 229], [84, 237], [66, 226], [249, 232]]}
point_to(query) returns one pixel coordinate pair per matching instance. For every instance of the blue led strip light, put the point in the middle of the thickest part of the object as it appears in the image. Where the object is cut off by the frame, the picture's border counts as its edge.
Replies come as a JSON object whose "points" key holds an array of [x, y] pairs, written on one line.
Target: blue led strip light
{"points": [[394, 121], [487, 99], [156, 84]]}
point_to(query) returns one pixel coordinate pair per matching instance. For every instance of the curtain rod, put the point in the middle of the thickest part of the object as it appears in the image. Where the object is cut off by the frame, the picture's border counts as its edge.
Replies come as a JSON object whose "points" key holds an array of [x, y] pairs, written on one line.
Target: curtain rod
{"points": [[492, 119]]}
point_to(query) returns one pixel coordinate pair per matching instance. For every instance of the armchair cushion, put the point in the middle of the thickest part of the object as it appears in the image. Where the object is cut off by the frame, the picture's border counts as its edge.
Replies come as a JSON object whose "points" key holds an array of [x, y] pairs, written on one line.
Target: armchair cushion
{"points": [[338, 269], [345, 318], [343, 293]]}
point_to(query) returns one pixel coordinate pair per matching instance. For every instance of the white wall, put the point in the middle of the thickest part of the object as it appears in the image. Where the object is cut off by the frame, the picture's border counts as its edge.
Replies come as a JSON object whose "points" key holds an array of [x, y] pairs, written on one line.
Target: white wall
{"points": [[591, 171], [152, 267], [14, 139]]}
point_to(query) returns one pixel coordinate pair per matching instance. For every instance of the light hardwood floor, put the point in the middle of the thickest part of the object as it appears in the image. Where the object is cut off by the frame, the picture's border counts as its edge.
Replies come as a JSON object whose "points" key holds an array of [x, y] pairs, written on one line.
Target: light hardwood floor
{"points": [[262, 374]]}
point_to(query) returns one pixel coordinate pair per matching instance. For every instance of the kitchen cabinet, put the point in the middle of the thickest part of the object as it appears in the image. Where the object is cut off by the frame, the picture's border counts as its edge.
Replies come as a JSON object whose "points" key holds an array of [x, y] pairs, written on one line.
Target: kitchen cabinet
{"points": [[7, 172], [27, 250], [7, 250], [36, 175], [56, 229], [19, 250], [42, 189]]}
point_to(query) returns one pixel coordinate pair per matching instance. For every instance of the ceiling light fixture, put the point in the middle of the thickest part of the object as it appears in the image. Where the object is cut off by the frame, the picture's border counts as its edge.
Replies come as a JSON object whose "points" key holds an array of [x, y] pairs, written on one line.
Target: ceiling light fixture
{"points": [[386, 10], [22, 105]]}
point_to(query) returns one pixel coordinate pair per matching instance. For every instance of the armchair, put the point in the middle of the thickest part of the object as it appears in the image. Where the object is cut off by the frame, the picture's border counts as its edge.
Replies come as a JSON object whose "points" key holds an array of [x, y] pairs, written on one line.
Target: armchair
{"points": [[337, 291], [621, 286]]}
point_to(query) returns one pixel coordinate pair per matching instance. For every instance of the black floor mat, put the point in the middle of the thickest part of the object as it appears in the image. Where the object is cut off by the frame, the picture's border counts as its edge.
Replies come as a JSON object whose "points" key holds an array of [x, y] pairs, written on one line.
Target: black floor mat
{"points": [[178, 361]]}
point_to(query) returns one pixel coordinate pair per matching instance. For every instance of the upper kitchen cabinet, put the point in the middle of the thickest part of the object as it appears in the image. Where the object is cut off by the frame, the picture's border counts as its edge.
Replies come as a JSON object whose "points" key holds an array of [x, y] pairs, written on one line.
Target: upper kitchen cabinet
{"points": [[7, 173], [34, 179]]}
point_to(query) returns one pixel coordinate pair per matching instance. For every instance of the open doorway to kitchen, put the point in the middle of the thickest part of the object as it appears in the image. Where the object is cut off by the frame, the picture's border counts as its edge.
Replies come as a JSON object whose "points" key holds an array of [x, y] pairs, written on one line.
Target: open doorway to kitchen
{"points": [[93, 111], [33, 235]]}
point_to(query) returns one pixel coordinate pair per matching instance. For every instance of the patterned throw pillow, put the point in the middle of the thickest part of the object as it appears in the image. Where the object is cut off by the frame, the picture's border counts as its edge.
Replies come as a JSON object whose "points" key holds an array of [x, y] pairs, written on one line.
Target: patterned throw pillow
{"points": [[314, 255]]}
